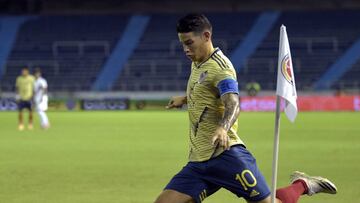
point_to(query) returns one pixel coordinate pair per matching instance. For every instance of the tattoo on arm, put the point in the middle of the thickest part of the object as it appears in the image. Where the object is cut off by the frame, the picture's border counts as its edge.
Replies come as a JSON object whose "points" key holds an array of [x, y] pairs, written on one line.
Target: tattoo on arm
{"points": [[232, 110]]}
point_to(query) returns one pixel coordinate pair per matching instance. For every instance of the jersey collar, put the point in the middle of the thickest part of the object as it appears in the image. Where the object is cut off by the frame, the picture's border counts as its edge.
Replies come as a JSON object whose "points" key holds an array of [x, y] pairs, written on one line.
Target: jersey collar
{"points": [[215, 50]]}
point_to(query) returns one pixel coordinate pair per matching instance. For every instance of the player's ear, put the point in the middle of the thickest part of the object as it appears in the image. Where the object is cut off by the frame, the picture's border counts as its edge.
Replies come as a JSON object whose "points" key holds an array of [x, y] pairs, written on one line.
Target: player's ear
{"points": [[207, 35]]}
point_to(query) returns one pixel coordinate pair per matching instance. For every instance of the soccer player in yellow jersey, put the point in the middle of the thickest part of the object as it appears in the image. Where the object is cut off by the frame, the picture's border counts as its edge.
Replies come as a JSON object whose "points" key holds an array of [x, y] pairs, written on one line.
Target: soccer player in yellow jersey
{"points": [[24, 96], [217, 156]]}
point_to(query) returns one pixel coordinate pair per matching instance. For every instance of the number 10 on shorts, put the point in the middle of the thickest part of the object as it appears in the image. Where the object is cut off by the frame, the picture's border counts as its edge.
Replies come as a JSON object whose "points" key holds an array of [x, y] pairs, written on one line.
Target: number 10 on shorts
{"points": [[246, 178]]}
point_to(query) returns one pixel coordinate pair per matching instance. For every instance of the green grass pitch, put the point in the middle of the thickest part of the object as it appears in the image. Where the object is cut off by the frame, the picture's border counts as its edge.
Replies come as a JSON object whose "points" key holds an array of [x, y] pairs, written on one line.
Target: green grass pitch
{"points": [[128, 157]]}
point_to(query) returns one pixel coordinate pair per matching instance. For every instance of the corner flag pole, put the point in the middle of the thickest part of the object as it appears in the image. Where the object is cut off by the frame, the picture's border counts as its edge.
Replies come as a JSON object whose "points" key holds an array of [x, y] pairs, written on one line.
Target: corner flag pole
{"points": [[276, 150], [285, 88]]}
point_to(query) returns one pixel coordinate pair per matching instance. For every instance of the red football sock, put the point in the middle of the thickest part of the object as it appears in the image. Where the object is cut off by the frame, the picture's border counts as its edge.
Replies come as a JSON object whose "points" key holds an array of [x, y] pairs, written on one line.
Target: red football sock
{"points": [[292, 193]]}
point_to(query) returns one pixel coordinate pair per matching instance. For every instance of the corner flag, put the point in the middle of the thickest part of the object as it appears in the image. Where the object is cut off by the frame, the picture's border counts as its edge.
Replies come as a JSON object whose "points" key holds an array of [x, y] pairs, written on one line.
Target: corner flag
{"points": [[285, 77], [286, 89]]}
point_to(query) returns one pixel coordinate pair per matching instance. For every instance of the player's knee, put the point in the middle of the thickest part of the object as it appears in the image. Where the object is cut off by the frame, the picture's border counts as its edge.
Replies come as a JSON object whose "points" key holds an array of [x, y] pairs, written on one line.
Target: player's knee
{"points": [[168, 196], [163, 198], [158, 200]]}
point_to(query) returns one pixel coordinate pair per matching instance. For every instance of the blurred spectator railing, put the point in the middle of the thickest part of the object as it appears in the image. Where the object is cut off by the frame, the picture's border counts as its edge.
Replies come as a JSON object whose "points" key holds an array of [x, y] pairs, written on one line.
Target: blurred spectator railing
{"points": [[79, 47]]}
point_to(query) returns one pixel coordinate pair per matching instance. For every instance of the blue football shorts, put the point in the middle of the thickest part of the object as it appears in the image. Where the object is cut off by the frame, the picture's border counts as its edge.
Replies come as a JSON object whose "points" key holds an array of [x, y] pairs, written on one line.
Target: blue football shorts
{"points": [[24, 104], [234, 170]]}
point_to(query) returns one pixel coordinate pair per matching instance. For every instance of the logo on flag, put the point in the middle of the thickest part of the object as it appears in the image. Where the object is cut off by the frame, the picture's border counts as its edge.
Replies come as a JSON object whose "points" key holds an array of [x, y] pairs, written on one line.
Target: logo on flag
{"points": [[286, 69]]}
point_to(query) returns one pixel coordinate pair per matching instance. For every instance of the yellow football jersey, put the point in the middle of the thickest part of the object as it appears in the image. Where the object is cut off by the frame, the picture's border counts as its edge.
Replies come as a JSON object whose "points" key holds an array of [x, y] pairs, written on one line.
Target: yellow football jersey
{"points": [[205, 106], [25, 86]]}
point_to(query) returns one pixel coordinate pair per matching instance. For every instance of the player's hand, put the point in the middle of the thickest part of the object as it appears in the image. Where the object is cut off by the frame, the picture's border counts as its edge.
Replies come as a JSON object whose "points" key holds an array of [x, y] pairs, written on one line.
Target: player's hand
{"points": [[221, 138], [176, 102]]}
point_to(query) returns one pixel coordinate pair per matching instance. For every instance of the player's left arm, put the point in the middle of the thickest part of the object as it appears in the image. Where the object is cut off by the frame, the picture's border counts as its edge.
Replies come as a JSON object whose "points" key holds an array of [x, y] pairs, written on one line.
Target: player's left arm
{"points": [[232, 110], [231, 113], [228, 89]]}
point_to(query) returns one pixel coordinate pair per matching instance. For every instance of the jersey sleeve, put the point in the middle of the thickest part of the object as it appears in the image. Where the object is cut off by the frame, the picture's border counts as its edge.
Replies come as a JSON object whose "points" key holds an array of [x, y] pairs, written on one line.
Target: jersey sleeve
{"points": [[225, 81]]}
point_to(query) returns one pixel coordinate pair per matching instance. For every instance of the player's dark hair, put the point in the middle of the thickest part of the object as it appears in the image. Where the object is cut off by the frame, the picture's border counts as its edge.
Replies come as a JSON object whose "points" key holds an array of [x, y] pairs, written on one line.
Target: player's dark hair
{"points": [[193, 23], [37, 70]]}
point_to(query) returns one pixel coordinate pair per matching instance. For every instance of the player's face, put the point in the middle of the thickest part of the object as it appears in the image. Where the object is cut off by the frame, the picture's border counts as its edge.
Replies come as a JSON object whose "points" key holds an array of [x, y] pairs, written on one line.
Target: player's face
{"points": [[25, 72], [194, 45]]}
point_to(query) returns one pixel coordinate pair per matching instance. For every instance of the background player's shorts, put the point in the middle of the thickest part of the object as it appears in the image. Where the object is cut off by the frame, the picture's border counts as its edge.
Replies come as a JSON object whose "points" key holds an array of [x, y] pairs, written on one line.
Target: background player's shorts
{"points": [[24, 104], [234, 170]]}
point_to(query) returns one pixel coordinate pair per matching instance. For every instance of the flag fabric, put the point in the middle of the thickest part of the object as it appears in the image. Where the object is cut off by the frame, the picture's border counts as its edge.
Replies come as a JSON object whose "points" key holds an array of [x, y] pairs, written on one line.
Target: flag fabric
{"points": [[285, 77]]}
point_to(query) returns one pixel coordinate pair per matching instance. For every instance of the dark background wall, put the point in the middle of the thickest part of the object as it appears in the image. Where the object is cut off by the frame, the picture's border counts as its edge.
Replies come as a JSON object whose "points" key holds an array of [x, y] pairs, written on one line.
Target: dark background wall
{"points": [[166, 6]]}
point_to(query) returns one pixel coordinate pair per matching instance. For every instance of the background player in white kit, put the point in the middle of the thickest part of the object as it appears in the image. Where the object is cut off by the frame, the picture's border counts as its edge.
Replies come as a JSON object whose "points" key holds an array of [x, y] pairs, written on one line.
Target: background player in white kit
{"points": [[41, 98]]}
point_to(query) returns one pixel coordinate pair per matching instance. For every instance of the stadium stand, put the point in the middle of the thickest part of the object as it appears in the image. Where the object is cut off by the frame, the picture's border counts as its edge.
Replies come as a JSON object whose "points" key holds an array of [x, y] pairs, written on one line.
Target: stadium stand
{"points": [[317, 40], [159, 63], [351, 80], [73, 49], [70, 49]]}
